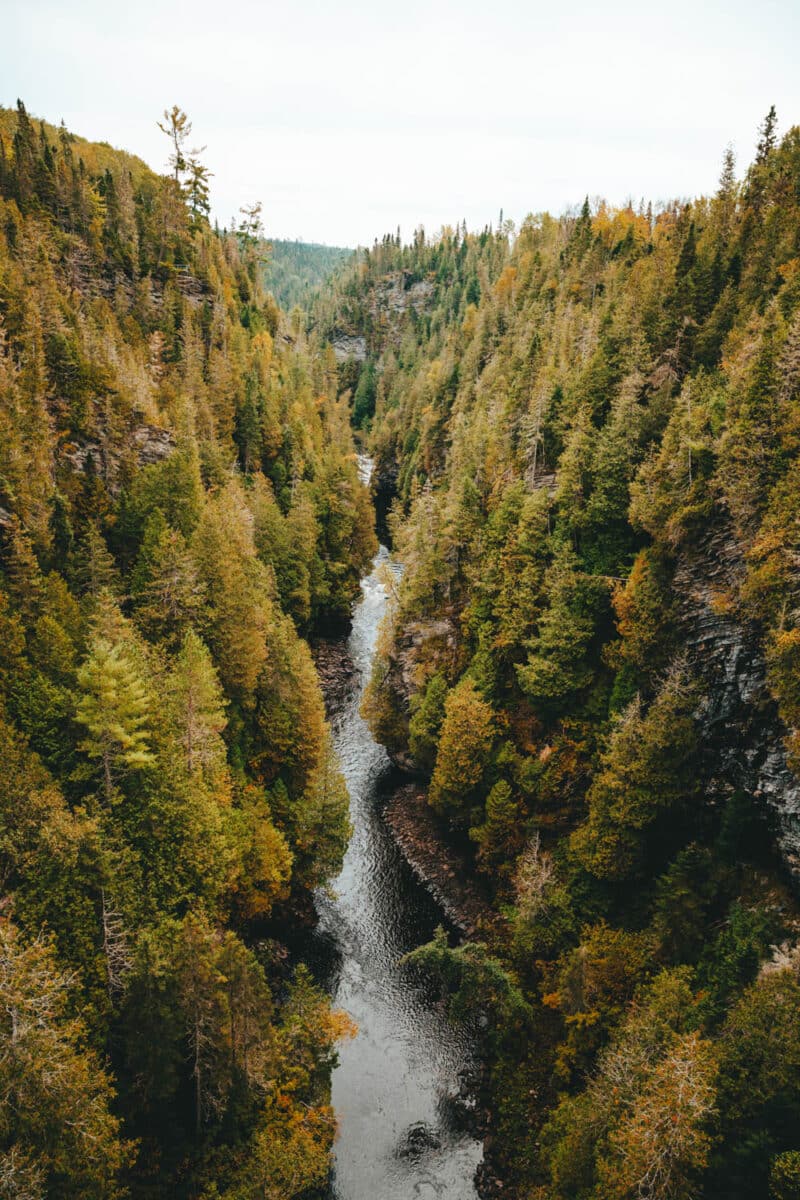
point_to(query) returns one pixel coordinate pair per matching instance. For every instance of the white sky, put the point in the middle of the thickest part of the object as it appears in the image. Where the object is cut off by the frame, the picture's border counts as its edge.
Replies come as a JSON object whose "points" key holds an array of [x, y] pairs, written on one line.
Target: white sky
{"points": [[350, 117]]}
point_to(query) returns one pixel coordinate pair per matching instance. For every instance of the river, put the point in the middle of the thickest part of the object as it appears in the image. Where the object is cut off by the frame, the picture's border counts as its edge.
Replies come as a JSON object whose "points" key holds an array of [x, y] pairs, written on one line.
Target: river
{"points": [[396, 1089]]}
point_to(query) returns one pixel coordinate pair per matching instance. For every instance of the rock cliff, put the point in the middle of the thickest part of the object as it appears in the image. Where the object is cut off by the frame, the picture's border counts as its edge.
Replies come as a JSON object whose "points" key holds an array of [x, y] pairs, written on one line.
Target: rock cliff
{"points": [[742, 734]]}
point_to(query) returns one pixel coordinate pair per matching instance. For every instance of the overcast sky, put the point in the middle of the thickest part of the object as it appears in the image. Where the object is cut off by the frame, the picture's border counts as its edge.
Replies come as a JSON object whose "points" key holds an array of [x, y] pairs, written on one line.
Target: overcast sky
{"points": [[346, 119]]}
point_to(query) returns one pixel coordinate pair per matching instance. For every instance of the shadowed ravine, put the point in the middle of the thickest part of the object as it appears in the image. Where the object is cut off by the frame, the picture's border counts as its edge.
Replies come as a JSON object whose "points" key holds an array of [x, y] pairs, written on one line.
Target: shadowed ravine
{"points": [[397, 1084]]}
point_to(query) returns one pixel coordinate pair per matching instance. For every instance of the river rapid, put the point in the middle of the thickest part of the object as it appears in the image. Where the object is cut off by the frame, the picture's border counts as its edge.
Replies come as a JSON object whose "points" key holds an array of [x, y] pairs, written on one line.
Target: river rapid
{"points": [[398, 1086]]}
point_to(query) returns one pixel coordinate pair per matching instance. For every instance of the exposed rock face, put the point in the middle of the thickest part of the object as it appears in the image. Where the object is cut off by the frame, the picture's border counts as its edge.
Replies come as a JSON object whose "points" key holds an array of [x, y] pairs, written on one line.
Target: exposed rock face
{"points": [[348, 345], [389, 301], [81, 273], [148, 443], [539, 477], [420, 641], [396, 294], [416, 646], [742, 733], [442, 867], [152, 444], [336, 669]]}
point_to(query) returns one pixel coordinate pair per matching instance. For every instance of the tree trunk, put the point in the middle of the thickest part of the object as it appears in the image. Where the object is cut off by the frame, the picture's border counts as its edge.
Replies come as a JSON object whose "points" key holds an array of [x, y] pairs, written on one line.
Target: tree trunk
{"points": [[198, 1090]]}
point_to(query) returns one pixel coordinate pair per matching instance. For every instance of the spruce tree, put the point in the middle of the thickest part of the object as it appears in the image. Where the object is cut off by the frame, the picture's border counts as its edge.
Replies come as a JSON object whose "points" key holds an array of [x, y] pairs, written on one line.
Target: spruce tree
{"points": [[199, 705], [166, 590]]}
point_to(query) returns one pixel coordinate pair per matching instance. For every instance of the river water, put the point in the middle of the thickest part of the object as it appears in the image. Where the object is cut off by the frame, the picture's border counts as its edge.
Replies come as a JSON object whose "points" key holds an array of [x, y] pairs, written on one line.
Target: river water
{"points": [[396, 1088]]}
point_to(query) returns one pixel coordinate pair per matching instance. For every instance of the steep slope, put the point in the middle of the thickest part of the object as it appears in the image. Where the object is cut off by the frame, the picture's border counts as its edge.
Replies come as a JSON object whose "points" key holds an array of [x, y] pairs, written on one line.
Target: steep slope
{"points": [[587, 458], [179, 499], [296, 271], [592, 656]]}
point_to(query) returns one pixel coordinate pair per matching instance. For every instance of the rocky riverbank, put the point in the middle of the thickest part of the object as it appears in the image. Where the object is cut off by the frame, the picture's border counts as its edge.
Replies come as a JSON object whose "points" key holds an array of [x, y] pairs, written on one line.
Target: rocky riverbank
{"points": [[336, 670], [440, 866]]}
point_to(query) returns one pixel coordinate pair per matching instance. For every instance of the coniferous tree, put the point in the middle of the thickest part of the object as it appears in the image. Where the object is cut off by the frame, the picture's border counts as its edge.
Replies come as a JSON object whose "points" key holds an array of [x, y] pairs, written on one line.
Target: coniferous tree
{"points": [[115, 709], [167, 593], [59, 1132], [177, 127], [199, 705]]}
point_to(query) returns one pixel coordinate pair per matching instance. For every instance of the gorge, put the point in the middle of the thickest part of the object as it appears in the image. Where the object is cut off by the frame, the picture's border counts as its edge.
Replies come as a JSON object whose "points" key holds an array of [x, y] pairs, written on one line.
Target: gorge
{"points": [[569, 699]]}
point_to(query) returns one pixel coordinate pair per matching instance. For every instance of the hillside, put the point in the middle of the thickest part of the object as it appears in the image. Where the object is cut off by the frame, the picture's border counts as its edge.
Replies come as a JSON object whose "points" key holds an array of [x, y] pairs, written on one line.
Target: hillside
{"points": [[179, 501], [586, 433], [295, 271], [586, 459]]}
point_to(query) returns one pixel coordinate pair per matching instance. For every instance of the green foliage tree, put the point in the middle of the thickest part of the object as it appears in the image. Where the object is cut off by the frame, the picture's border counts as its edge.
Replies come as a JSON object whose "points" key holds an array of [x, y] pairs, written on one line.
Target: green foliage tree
{"points": [[465, 744], [239, 603], [426, 721], [474, 983], [501, 836], [199, 707], [646, 772], [115, 709], [365, 394], [166, 591], [560, 662]]}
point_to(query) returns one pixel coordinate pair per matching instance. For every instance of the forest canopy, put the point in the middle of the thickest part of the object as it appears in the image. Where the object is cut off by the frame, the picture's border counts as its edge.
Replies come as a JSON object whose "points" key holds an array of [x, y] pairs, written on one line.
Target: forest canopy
{"points": [[585, 442], [179, 505], [586, 450]]}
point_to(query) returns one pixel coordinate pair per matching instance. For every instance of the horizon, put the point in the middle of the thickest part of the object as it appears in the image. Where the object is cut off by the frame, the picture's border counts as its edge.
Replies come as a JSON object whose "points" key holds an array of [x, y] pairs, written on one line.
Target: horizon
{"points": [[595, 201], [348, 123]]}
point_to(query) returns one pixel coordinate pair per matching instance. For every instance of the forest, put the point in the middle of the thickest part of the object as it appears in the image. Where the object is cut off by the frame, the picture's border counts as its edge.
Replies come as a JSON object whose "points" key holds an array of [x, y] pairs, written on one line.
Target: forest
{"points": [[179, 508], [586, 456], [295, 271], [585, 435]]}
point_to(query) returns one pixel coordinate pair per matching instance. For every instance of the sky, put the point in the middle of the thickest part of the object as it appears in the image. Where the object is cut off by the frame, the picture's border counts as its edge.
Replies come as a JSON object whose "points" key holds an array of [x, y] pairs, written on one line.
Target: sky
{"points": [[351, 117]]}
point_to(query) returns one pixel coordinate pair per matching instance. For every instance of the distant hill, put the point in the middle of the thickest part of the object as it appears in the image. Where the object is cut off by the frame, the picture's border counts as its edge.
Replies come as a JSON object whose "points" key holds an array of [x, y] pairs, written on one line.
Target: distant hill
{"points": [[296, 269]]}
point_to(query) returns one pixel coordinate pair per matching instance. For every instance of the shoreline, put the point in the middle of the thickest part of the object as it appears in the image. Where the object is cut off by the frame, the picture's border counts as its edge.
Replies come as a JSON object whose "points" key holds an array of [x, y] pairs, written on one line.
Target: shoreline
{"points": [[441, 867], [336, 671], [438, 865]]}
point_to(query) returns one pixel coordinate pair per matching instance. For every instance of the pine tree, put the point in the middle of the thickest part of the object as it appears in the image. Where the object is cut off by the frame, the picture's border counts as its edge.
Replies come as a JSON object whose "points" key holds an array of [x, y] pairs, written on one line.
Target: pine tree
{"points": [[177, 127], [767, 137], [197, 187], [464, 750], [759, 175], [501, 836], [115, 709], [238, 605], [646, 771], [426, 721], [24, 148], [95, 569], [25, 580], [727, 192]]}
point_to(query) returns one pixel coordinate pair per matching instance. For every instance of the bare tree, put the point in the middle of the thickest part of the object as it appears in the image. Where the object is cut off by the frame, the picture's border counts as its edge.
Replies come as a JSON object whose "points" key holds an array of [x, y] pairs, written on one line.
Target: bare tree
{"points": [[115, 947]]}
